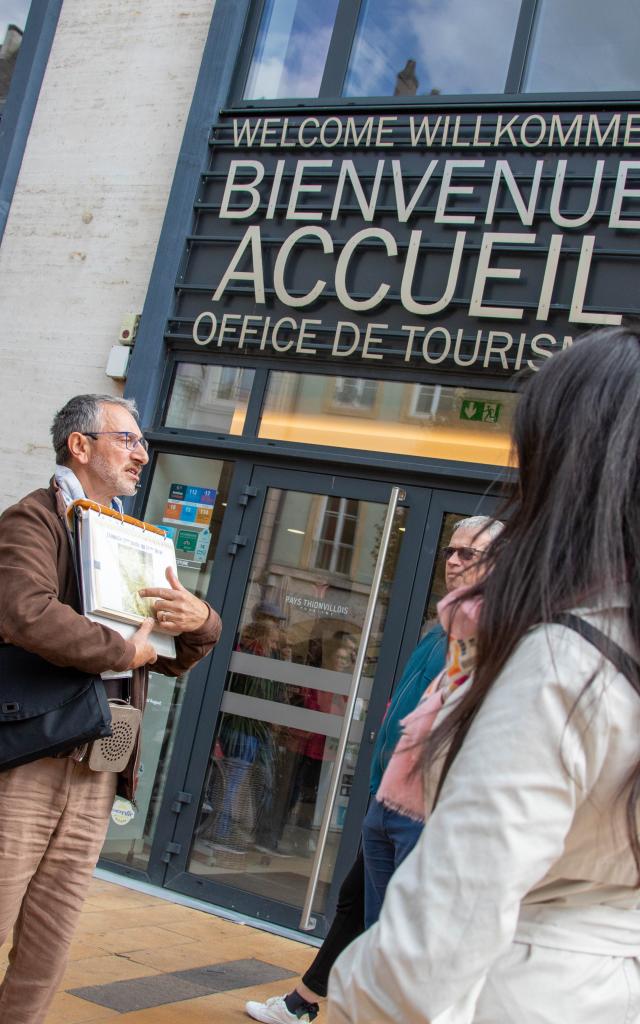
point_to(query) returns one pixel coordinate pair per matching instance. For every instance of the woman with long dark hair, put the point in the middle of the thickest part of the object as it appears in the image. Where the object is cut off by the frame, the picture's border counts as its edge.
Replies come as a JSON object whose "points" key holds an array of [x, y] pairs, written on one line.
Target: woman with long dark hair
{"points": [[521, 902]]}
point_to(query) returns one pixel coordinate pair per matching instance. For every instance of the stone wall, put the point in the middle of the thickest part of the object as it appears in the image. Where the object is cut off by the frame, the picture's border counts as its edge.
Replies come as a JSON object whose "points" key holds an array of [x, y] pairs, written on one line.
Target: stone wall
{"points": [[87, 210]]}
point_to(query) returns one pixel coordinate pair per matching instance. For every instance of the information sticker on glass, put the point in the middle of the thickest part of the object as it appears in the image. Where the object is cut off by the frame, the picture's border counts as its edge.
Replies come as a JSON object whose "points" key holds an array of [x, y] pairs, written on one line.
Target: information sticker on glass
{"points": [[188, 512], [192, 506], [186, 543], [201, 495]]}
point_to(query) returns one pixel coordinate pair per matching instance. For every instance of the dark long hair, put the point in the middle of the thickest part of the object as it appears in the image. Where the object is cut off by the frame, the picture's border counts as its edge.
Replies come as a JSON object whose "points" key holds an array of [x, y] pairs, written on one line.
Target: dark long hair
{"points": [[573, 522]]}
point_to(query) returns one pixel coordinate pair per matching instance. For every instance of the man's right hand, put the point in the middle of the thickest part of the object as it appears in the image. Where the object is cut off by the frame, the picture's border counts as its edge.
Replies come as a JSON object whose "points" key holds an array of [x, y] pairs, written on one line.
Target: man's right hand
{"points": [[145, 651]]}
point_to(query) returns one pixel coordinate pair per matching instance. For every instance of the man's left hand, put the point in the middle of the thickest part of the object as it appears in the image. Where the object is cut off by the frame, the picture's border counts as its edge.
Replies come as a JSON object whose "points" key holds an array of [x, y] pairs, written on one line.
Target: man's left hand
{"points": [[176, 610]]}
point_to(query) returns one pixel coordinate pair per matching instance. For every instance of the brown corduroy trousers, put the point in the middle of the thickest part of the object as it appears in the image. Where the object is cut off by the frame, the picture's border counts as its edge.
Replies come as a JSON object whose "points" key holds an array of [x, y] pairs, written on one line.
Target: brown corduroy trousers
{"points": [[53, 819]]}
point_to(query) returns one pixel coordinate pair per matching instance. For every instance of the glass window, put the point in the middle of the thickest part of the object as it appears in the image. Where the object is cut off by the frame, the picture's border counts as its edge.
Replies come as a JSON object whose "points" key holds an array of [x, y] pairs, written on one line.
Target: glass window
{"points": [[584, 46], [431, 420], [212, 398], [427, 47], [188, 497], [291, 50], [13, 16]]}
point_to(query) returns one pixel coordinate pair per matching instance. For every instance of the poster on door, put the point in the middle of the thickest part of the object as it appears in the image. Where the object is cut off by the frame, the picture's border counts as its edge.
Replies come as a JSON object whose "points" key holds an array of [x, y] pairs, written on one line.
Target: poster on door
{"points": [[187, 518]]}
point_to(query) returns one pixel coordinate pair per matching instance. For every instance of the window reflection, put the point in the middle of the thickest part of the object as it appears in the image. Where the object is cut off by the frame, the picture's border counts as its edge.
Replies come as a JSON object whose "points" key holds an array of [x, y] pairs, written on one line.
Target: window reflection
{"points": [[12, 21], [291, 50], [334, 546], [211, 398], [426, 47], [425, 400], [603, 50], [430, 420], [355, 393]]}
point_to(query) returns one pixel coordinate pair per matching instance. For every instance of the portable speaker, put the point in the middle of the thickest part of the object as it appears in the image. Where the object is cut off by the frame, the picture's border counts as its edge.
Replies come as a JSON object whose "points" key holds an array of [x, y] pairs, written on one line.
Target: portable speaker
{"points": [[112, 753]]}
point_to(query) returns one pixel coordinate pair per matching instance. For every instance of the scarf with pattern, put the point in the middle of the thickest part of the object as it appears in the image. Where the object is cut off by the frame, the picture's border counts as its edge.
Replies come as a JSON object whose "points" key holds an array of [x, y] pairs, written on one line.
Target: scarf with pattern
{"points": [[401, 788]]}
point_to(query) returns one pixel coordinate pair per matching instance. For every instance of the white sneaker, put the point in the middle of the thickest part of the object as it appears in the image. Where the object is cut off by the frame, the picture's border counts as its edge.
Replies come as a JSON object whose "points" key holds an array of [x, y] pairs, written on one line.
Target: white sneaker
{"points": [[275, 1011]]}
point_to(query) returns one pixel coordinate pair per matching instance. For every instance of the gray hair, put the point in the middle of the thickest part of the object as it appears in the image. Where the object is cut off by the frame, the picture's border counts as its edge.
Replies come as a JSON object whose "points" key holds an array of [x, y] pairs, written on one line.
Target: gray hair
{"points": [[83, 414], [481, 524]]}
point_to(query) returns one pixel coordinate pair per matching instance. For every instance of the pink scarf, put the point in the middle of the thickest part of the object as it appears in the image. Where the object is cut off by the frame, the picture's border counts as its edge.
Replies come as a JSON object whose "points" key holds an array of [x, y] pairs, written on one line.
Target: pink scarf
{"points": [[401, 788]]}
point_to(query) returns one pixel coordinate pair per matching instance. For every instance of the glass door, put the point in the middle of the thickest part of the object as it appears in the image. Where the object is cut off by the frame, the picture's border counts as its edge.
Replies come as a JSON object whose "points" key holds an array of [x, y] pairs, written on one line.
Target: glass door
{"points": [[320, 598]]}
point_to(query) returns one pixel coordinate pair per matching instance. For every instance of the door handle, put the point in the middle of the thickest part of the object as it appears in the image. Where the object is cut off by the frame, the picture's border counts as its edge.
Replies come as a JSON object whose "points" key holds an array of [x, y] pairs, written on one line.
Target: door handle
{"points": [[307, 922]]}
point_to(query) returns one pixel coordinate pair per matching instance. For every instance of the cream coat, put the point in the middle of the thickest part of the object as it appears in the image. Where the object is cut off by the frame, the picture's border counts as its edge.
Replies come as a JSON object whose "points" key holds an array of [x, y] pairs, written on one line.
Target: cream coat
{"points": [[519, 904]]}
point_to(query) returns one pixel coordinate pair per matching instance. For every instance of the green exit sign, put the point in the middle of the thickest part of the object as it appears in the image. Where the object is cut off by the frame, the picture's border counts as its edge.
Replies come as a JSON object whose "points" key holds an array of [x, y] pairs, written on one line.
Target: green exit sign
{"points": [[484, 412]]}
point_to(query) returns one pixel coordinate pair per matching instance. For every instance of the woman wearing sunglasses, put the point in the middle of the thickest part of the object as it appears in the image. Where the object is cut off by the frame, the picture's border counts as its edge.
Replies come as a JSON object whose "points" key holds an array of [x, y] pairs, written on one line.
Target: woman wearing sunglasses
{"points": [[520, 903], [392, 825]]}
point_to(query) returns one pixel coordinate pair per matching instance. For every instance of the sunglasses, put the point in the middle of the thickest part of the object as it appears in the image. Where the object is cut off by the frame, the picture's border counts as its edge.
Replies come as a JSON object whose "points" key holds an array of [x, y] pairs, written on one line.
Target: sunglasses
{"points": [[464, 554]]}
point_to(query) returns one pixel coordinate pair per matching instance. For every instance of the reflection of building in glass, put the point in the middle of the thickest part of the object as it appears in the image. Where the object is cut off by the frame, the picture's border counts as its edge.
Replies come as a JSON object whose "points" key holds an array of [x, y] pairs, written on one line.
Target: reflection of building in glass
{"points": [[386, 415], [284, 64], [209, 397], [406, 81], [425, 400], [462, 47], [356, 392], [8, 56], [335, 537]]}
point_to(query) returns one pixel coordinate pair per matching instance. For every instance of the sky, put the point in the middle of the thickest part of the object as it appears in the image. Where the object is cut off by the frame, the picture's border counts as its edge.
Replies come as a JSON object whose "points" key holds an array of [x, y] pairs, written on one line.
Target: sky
{"points": [[459, 46], [13, 12]]}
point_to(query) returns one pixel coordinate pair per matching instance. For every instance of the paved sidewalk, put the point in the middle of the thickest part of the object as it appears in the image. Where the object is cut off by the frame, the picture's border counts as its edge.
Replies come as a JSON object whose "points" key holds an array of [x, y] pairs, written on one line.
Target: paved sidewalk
{"points": [[137, 959]]}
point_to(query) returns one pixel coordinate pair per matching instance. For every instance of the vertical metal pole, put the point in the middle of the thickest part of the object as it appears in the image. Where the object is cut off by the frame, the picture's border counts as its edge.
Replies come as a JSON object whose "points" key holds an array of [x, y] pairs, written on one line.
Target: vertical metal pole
{"points": [[308, 923]]}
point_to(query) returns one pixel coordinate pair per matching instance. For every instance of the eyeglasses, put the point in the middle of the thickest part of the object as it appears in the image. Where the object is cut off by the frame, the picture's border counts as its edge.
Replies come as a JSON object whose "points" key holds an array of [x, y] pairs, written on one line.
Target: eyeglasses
{"points": [[464, 554], [123, 438]]}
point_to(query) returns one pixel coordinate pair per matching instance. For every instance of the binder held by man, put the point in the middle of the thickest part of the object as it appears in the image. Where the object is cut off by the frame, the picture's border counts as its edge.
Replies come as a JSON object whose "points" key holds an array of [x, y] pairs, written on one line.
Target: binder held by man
{"points": [[117, 556]]}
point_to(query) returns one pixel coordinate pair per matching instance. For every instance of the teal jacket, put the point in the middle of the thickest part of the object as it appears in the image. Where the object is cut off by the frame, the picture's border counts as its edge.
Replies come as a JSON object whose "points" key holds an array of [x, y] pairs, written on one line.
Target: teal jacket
{"points": [[424, 665]]}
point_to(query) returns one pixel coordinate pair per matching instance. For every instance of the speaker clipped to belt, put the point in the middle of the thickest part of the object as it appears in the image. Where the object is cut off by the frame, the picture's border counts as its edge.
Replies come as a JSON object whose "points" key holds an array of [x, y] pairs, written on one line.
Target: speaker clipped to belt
{"points": [[112, 753]]}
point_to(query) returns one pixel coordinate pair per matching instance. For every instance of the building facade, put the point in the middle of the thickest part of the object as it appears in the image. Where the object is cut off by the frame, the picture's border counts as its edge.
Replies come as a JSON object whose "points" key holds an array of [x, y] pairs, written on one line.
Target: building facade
{"points": [[350, 231]]}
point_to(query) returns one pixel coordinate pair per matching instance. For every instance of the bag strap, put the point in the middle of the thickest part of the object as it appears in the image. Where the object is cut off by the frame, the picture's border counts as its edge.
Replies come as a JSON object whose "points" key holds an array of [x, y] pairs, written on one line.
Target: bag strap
{"points": [[612, 651]]}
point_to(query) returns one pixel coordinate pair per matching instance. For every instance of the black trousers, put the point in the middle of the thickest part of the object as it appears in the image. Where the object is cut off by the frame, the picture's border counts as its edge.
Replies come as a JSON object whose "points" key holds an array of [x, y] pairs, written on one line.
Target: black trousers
{"points": [[346, 926]]}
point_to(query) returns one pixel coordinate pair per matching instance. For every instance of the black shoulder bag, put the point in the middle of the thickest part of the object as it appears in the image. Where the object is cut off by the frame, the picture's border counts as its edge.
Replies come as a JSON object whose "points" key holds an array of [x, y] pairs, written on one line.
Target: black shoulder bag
{"points": [[46, 710]]}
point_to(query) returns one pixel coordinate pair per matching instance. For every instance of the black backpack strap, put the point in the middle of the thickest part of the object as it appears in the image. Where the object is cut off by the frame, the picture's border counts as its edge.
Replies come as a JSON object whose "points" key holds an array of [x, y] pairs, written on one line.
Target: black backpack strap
{"points": [[612, 651]]}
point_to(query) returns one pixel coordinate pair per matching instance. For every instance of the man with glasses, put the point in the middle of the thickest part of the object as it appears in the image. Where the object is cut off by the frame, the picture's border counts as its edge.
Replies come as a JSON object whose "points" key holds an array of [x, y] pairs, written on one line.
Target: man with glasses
{"points": [[54, 811], [387, 836]]}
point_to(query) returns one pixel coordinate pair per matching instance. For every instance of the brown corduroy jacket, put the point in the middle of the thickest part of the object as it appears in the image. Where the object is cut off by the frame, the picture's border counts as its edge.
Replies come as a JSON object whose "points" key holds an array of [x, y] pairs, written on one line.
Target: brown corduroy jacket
{"points": [[40, 606]]}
